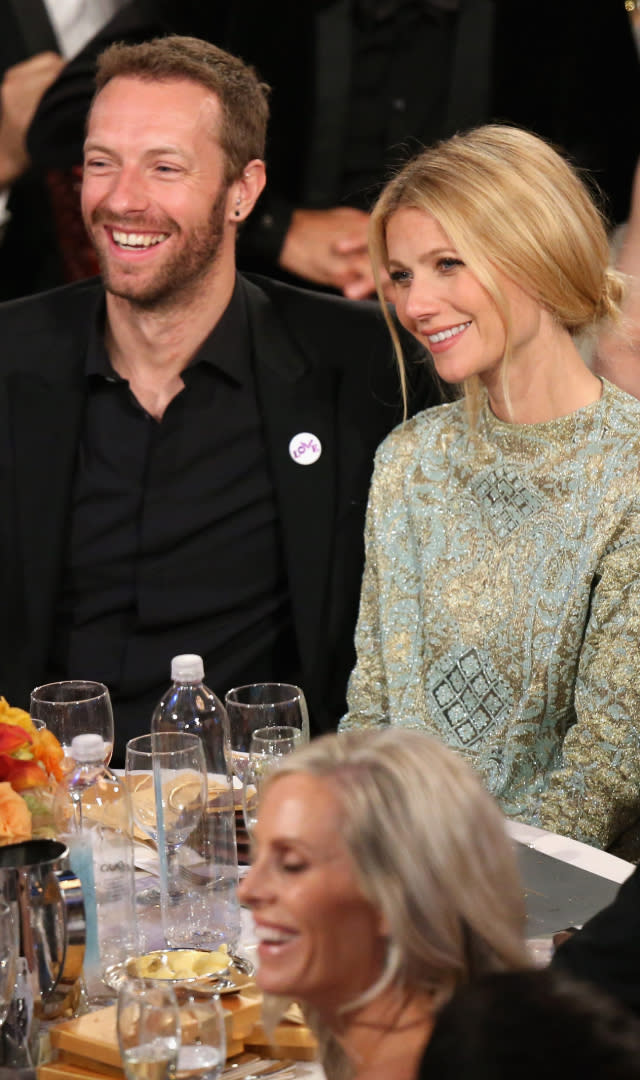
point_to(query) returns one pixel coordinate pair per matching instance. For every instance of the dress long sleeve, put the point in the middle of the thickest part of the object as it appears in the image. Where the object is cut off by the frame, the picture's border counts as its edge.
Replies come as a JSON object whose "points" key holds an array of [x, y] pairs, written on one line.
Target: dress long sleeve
{"points": [[595, 794]]}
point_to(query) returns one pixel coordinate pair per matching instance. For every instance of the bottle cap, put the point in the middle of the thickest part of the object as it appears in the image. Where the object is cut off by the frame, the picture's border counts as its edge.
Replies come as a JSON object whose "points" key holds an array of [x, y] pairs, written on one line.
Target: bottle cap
{"points": [[187, 668], [88, 747]]}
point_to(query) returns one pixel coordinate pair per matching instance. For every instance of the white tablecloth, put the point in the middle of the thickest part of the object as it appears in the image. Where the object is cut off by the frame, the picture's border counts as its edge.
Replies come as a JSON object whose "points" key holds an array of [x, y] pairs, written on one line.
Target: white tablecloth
{"points": [[572, 851]]}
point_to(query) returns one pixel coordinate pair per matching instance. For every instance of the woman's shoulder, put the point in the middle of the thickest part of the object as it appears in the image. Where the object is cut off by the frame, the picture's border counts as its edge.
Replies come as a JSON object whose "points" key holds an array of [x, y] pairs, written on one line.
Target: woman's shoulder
{"points": [[622, 411], [422, 430], [619, 433]]}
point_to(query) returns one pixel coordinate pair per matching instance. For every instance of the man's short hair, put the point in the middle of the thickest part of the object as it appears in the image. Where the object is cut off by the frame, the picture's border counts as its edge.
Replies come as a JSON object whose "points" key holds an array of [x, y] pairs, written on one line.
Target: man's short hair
{"points": [[242, 96]]}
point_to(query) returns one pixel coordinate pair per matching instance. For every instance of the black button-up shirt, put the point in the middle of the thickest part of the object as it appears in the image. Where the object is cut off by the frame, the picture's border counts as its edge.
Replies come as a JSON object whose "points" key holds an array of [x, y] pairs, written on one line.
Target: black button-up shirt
{"points": [[174, 542]]}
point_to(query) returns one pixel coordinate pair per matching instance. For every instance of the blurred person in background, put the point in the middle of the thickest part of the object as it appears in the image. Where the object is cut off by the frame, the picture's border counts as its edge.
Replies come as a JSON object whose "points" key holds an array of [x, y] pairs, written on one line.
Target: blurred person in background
{"points": [[606, 950], [359, 85], [36, 36], [532, 1024], [617, 354]]}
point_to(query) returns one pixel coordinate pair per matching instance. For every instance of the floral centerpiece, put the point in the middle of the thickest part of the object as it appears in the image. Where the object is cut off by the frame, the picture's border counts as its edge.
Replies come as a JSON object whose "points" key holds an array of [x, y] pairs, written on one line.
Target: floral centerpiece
{"points": [[30, 766]]}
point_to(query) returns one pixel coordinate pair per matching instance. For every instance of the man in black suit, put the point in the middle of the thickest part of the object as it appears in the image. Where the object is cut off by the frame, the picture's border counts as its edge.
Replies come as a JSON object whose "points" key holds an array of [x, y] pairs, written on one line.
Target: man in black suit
{"points": [[360, 84], [184, 453]]}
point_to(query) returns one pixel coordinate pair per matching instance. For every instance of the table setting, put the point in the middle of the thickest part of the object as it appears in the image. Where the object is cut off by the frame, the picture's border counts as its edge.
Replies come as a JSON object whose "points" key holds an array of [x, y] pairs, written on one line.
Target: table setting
{"points": [[167, 989], [134, 873]]}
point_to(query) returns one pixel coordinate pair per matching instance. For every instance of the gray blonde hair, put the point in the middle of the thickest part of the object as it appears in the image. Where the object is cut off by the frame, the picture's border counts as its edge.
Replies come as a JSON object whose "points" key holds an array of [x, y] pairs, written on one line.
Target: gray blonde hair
{"points": [[430, 851], [509, 202]]}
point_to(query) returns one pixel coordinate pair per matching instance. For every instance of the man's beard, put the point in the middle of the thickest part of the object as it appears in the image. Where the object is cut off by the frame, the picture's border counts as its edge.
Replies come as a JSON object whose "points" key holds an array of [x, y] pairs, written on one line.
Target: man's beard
{"points": [[176, 280]]}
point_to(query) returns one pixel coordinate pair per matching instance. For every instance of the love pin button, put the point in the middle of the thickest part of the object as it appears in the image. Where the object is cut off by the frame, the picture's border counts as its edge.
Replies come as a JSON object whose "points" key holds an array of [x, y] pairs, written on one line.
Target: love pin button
{"points": [[305, 448]]}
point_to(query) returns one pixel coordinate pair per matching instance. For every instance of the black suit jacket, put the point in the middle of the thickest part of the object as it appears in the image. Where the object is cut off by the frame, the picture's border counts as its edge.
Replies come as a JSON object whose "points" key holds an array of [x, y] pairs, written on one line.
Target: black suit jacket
{"points": [[568, 71], [607, 949], [322, 365], [29, 255]]}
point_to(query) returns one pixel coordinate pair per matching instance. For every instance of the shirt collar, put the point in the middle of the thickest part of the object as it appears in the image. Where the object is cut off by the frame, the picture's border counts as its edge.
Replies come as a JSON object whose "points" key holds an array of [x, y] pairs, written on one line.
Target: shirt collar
{"points": [[227, 348]]}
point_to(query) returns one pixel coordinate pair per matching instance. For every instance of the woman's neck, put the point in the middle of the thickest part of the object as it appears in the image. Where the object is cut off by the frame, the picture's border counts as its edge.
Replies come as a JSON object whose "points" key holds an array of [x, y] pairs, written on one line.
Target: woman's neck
{"points": [[386, 1036], [551, 381]]}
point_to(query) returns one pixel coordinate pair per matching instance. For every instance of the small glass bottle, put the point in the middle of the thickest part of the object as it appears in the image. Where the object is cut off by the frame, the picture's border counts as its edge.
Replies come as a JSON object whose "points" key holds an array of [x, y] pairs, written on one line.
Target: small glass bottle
{"points": [[93, 817]]}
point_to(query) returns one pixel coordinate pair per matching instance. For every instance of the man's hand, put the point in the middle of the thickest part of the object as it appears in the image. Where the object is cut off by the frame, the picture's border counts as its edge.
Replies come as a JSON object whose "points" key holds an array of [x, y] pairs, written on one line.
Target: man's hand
{"points": [[329, 247], [20, 91]]}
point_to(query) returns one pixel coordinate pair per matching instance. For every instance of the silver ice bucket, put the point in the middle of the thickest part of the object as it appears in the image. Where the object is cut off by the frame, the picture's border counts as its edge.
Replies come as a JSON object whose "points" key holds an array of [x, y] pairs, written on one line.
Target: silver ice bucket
{"points": [[46, 901]]}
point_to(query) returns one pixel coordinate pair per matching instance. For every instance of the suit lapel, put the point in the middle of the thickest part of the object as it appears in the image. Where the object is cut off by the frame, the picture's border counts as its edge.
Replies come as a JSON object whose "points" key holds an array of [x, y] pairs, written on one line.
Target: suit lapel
{"points": [[295, 398], [45, 423]]}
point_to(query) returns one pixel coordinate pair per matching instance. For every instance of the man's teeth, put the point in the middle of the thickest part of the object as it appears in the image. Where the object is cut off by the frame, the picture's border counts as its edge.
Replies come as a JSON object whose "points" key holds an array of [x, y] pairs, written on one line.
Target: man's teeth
{"points": [[138, 240], [444, 334], [272, 936]]}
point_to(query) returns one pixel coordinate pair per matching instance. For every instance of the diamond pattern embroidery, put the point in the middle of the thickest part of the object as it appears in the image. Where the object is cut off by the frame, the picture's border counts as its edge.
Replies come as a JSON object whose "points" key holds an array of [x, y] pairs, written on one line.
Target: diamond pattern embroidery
{"points": [[506, 499], [469, 696]]}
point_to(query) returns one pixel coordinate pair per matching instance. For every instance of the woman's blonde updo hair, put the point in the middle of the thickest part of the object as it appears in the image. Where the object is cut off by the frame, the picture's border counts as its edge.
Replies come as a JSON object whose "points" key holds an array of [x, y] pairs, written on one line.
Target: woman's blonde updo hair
{"points": [[509, 202]]}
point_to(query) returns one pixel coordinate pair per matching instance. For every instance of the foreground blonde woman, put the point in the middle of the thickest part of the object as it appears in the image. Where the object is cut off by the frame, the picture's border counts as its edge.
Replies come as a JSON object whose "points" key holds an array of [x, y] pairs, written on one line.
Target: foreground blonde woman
{"points": [[382, 879]]}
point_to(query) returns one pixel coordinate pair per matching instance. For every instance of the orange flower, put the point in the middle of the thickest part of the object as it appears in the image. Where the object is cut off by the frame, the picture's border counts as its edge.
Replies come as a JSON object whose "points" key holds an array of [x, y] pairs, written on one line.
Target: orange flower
{"points": [[15, 816], [13, 715], [21, 774], [47, 750], [13, 738]]}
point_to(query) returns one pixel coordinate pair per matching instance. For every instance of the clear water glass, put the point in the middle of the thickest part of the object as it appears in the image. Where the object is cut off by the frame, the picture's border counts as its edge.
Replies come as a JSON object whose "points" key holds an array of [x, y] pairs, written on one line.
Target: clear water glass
{"points": [[268, 747], [149, 1032], [167, 780], [203, 1049]]}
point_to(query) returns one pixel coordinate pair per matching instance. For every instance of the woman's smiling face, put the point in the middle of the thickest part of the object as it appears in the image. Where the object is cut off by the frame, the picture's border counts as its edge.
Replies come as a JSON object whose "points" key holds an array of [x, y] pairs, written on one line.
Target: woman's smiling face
{"points": [[442, 303], [320, 939]]}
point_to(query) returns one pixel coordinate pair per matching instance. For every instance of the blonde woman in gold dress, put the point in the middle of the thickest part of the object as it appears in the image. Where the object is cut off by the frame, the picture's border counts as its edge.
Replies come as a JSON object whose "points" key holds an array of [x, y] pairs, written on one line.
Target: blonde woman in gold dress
{"points": [[500, 605]]}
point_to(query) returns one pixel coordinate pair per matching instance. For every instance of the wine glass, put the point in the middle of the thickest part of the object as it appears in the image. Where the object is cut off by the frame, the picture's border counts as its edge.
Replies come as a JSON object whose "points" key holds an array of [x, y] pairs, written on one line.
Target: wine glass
{"points": [[74, 707], [268, 746], [148, 1023], [167, 779], [203, 1050], [8, 958], [261, 705], [249, 708]]}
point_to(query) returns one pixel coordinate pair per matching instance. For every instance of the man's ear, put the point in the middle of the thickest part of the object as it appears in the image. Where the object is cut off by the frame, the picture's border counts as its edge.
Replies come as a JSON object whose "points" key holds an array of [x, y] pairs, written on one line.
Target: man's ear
{"points": [[246, 190]]}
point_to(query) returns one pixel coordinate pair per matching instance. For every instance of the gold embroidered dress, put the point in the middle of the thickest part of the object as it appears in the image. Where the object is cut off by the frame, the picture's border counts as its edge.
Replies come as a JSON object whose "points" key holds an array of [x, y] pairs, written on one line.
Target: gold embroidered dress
{"points": [[500, 606]]}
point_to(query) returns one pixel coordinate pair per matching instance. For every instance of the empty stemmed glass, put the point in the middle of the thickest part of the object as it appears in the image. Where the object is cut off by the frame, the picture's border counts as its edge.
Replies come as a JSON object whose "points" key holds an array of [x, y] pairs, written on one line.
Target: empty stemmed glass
{"points": [[268, 746], [167, 779], [74, 707], [249, 708], [261, 705], [148, 1023]]}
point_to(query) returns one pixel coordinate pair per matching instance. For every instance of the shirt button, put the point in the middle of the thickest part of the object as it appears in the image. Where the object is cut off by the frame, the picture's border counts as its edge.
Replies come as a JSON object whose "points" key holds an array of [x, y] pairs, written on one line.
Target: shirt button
{"points": [[399, 104]]}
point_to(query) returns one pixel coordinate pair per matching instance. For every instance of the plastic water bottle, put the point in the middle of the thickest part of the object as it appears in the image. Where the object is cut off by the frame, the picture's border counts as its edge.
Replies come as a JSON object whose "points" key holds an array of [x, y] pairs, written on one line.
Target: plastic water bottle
{"points": [[93, 818], [209, 857]]}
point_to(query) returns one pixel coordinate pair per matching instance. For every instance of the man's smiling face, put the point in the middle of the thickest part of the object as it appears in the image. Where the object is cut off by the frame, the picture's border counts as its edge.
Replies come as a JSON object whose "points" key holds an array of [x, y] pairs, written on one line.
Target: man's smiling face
{"points": [[154, 197]]}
